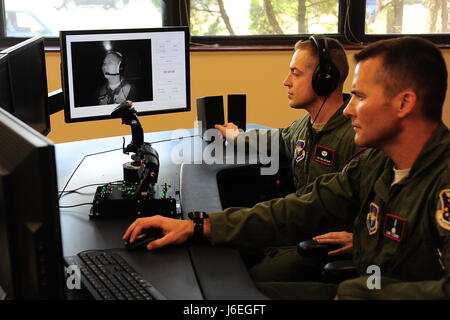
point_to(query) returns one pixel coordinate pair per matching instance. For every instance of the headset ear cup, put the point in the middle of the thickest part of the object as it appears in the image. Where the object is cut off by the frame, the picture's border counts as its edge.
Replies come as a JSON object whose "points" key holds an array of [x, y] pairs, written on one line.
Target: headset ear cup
{"points": [[326, 81], [121, 67], [326, 76], [316, 81]]}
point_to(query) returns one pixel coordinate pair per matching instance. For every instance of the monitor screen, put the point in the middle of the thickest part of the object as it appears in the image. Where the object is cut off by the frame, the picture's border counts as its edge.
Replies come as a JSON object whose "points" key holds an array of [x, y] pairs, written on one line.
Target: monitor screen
{"points": [[31, 259], [28, 83], [102, 68]]}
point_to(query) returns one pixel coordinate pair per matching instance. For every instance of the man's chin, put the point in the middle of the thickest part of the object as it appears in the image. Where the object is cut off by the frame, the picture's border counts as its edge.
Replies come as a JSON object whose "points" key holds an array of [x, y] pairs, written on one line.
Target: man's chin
{"points": [[295, 106], [360, 142]]}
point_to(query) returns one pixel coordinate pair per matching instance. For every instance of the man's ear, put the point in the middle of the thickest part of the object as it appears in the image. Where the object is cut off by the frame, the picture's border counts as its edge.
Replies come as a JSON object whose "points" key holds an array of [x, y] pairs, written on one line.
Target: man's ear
{"points": [[407, 103]]}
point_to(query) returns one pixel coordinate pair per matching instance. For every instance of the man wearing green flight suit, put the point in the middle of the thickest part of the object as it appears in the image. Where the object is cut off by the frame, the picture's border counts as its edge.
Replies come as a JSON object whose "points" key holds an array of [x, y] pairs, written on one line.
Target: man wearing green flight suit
{"points": [[397, 195], [318, 143]]}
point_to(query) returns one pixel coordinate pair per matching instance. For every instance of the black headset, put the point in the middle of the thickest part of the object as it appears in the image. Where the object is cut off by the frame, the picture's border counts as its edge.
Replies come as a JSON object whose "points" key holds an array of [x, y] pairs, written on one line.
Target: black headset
{"points": [[326, 75]]}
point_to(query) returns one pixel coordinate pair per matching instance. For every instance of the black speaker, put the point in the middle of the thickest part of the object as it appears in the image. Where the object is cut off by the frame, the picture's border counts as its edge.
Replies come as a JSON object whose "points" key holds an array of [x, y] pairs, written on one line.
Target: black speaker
{"points": [[210, 112], [237, 112]]}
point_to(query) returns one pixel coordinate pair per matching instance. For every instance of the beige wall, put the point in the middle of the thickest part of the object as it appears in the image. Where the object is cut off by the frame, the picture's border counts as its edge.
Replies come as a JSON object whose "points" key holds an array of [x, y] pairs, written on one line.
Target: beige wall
{"points": [[258, 74]]}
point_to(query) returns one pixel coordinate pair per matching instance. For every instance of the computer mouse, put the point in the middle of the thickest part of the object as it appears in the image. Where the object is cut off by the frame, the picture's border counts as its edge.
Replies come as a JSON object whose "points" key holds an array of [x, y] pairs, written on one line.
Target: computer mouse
{"points": [[143, 239]]}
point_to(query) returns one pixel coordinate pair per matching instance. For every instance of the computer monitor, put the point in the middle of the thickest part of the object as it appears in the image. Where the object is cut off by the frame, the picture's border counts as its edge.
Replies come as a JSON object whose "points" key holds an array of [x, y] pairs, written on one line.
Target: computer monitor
{"points": [[27, 83], [102, 68], [31, 259]]}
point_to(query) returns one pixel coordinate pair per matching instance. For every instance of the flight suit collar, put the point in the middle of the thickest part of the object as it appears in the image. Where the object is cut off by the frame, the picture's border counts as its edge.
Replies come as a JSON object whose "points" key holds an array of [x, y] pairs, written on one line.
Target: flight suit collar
{"points": [[427, 157], [433, 151], [338, 117], [383, 183]]}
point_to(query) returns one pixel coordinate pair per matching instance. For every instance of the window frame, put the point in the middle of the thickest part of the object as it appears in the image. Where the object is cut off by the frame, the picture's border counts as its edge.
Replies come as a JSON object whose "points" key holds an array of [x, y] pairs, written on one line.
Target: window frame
{"points": [[175, 13]]}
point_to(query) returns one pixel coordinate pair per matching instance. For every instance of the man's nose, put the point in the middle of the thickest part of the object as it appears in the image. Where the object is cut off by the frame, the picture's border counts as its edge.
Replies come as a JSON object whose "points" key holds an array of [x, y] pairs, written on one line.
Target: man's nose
{"points": [[349, 109], [287, 81]]}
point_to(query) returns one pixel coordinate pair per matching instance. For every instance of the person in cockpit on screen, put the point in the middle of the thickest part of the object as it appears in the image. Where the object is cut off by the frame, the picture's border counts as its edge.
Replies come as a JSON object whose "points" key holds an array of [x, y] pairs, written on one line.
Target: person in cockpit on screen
{"points": [[116, 89]]}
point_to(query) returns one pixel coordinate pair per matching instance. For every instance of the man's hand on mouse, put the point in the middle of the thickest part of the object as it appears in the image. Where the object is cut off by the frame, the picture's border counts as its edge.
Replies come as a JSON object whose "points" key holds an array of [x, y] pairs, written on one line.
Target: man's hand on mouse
{"points": [[175, 231]]}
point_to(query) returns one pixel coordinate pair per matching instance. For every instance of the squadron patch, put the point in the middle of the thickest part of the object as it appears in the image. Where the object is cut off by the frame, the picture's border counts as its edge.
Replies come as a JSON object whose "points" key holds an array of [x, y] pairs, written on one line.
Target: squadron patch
{"points": [[372, 218], [394, 227], [443, 212], [324, 155], [299, 153]]}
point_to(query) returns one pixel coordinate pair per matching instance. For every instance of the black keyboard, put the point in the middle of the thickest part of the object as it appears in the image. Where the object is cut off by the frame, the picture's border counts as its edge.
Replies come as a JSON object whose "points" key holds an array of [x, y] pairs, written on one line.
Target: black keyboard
{"points": [[107, 276]]}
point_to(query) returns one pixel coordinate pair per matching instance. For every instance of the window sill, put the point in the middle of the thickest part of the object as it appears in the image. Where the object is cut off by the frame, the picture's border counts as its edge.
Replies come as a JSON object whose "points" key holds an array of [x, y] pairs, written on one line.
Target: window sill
{"points": [[225, 48], [208, 48]]}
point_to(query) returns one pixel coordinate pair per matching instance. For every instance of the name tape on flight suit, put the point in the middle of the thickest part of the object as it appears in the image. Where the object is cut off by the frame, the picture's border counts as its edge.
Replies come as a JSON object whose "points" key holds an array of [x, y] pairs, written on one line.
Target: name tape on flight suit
{"points": [[324, 155], [394, 227]]}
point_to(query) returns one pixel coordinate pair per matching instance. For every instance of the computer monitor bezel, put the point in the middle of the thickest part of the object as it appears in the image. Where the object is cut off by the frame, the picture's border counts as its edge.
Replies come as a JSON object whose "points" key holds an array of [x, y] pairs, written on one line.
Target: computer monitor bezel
{"points": [[17, 49], [4, 63], [65, 65], [31, 234]]}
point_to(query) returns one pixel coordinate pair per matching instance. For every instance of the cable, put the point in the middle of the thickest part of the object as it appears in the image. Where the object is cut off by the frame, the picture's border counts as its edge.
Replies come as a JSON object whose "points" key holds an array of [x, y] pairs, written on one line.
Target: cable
{"points": [[79, 164], [320, 109], [77, 205], [89, 185], [112, 150], [347, 26]]}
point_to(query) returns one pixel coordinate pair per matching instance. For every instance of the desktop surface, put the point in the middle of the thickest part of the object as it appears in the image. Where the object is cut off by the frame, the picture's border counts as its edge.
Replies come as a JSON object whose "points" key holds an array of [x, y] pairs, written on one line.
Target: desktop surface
{"points": [[191, 271]]}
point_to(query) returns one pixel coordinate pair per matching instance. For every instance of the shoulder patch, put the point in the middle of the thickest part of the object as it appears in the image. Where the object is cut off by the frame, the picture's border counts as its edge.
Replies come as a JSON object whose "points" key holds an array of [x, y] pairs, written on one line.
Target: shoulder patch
{"points": [[443, 212], [299, 152], [372, 218]]}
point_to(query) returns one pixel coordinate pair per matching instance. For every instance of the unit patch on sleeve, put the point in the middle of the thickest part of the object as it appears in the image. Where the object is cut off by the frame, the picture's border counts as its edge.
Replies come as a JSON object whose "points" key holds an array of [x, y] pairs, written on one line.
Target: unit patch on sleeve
{"points": [[324, 155], [372, 218], [299, 152], [394, 227], [443, 212]]}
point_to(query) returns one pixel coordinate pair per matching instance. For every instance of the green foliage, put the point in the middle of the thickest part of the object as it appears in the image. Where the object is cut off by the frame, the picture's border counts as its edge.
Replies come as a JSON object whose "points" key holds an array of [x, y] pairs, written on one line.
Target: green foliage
{"points": [[206, 18], [259, 22], [287, 15], [322, 14], [156, 4]]}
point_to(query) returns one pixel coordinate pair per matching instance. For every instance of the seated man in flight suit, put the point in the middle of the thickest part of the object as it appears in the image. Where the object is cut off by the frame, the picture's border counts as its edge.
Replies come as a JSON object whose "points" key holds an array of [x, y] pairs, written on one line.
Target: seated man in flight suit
{"points": [[315, 81], [397, 194]]}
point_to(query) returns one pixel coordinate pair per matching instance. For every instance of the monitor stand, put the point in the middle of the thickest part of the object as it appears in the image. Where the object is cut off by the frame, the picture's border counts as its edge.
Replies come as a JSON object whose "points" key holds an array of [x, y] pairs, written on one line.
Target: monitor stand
{"points": [[55, 101]]}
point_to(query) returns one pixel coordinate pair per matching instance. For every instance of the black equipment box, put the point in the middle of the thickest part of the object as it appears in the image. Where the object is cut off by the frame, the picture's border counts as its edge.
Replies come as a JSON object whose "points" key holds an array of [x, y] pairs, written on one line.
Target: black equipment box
{"points": [[120, 200]]}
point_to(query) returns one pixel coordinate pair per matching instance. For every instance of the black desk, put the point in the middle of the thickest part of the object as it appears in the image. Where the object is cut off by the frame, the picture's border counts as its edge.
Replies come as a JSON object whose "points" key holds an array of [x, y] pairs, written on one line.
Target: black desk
{"points": [[190, 271]]}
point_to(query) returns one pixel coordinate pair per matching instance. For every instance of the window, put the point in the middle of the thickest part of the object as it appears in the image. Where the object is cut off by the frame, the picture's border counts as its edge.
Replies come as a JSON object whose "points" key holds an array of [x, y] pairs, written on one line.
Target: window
{"points": [[407, 16], [263, 17], [26, 18], [232, 22]]}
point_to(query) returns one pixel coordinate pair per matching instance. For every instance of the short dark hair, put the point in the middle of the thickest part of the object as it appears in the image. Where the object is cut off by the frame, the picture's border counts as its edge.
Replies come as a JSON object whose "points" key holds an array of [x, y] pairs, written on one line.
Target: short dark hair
{"points": [[414, 63], [336, 52]]}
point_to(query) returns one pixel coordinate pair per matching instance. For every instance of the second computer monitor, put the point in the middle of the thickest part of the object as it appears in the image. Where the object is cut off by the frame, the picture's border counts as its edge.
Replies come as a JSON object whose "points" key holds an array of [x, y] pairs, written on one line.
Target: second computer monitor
{"points": [[31, 254], [102, 68], [23, 85]]}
